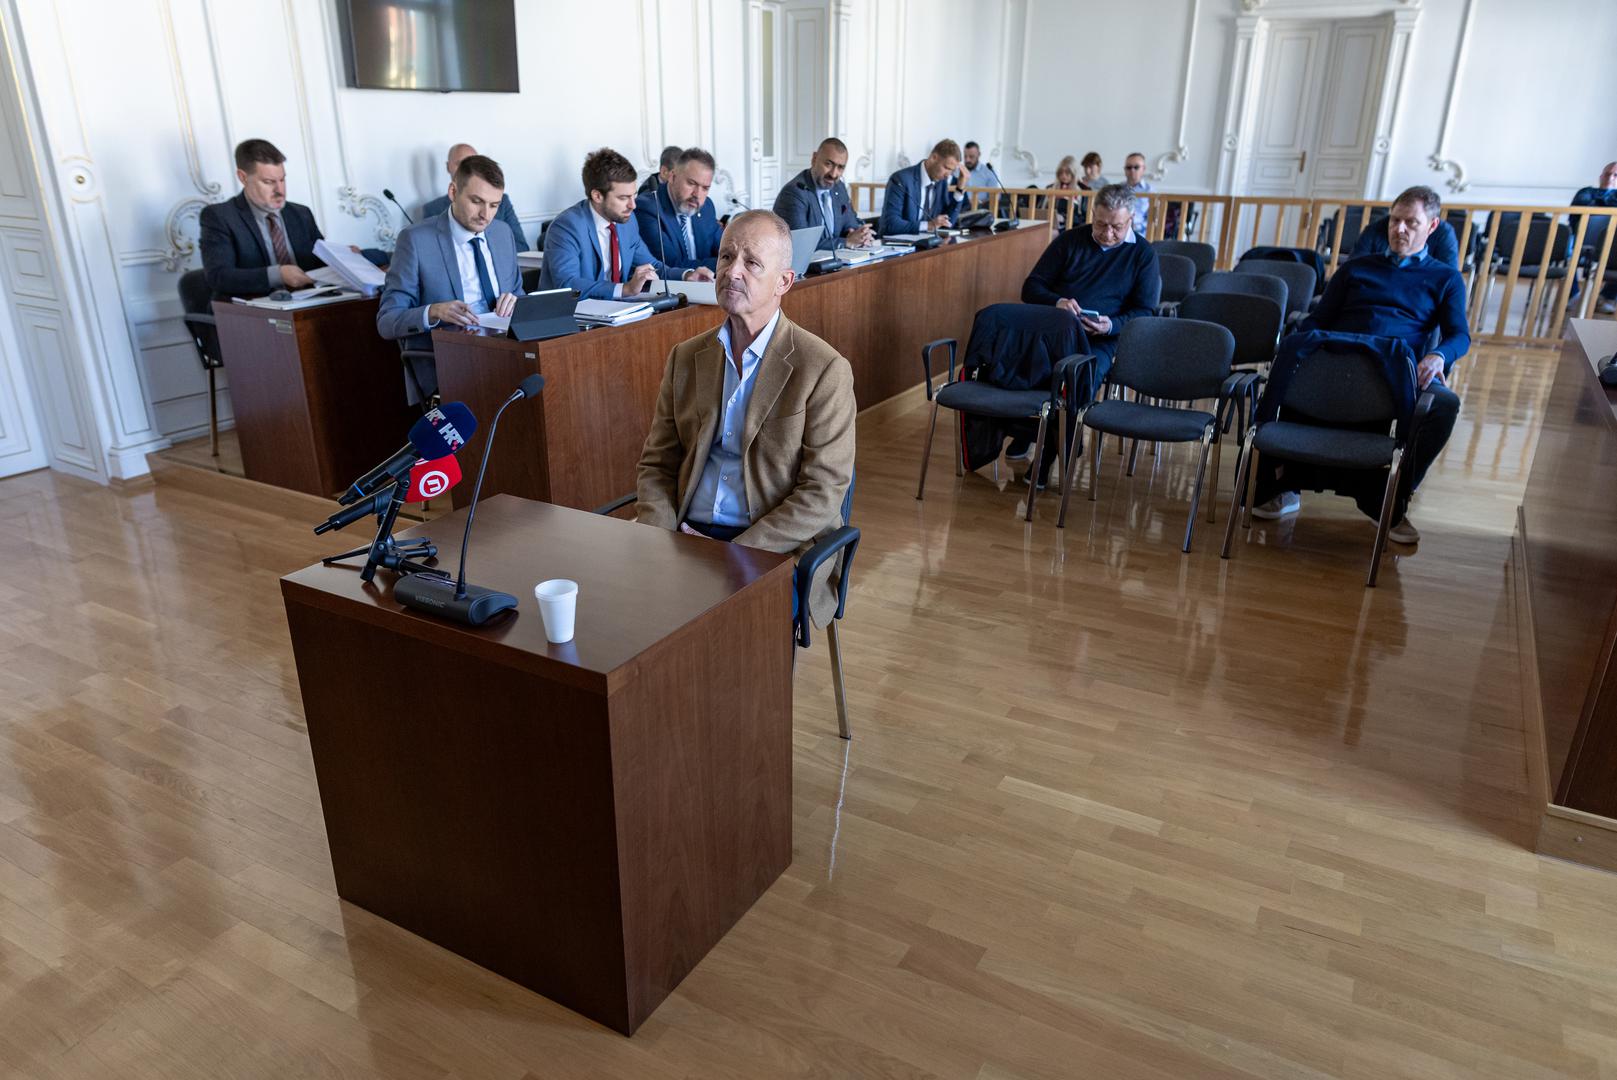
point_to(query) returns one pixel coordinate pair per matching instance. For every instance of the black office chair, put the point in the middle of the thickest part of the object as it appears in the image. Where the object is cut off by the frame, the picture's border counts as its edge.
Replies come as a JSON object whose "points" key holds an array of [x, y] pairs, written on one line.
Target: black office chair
{"points": [[1178, 280], [968, 391], [415, 390], [1164, 360], [1254, 322], [1202, 255], [1299, 281], [1533, 256], [196, 301], [1333, 387], [1270, 286], [841, 542], [1298, 255]]}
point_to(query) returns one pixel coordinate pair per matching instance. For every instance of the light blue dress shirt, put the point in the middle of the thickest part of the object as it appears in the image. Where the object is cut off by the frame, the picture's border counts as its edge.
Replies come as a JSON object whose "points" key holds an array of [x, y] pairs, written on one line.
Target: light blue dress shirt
{"points": [[721, 494]]}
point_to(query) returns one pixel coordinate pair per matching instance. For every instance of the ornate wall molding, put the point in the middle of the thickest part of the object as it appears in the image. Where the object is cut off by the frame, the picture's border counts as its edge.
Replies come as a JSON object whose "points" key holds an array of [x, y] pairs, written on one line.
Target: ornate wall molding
{"points": [[1180, 151], [1439, 160]]}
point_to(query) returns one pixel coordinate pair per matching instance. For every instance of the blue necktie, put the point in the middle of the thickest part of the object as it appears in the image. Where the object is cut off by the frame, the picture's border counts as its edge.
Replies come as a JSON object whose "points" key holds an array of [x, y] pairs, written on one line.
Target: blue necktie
{"points": [[483, 282], [825, 211], [690, 241]]}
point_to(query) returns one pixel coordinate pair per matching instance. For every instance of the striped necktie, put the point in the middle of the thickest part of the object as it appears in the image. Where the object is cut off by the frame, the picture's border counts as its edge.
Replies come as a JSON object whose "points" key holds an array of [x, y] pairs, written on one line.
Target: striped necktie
{"points": [[283, 250]]}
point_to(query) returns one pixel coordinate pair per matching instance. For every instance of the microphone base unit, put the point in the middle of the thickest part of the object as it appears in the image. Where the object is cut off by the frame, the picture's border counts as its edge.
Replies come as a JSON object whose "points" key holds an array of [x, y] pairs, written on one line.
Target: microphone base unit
{"points": [[434, 594], [668, 302]]}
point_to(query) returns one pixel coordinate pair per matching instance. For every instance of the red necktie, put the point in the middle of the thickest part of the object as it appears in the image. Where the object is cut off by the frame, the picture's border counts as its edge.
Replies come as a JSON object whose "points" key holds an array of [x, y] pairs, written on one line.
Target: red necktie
{"points": [[617, 271], [283, 253]]}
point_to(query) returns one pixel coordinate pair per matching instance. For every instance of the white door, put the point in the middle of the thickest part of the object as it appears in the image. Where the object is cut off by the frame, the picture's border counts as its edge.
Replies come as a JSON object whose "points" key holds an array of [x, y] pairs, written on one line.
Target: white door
{"points": [[1344, 138], [805, 89], [1288, 103], [25, 273], [764, 134]]}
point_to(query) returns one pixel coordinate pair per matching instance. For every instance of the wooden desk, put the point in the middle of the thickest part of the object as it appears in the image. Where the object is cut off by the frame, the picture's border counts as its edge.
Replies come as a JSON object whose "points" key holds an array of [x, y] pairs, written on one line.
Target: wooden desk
{"points": [[1566, 554], [579, 446], [318, 396], [586, 819]]}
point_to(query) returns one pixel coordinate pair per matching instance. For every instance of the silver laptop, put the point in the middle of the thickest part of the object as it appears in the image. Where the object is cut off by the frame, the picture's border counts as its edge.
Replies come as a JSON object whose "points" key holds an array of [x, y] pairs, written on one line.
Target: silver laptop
{"points": [[804, 241]]}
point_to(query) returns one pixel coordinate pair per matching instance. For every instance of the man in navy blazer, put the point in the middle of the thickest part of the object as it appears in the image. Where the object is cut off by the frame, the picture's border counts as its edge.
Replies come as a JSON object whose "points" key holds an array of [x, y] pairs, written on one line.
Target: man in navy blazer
{"points": [[506, 213], [258, 242], [447, 270], [594, 246], [918, 198], [680, 211], [817, 197]]}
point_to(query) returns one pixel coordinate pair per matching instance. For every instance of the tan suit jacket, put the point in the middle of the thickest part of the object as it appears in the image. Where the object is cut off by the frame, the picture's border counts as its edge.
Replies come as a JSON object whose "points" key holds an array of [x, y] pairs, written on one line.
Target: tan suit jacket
{"points": [[797, 446]]}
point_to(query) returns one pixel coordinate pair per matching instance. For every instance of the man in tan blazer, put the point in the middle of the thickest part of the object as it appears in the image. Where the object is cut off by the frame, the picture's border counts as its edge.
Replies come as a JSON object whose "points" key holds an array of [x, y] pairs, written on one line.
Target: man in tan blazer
{"points": [[753, 438]]}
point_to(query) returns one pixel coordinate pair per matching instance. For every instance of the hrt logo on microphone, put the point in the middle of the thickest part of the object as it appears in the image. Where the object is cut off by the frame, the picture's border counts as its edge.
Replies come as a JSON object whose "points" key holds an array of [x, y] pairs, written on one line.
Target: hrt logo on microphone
{"points": [[446, 431], [430, 479]]}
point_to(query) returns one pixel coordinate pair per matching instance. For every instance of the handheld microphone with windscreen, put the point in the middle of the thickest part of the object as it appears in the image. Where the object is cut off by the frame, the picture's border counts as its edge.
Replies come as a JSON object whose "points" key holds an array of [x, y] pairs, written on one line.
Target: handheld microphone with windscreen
{"points": [[430, 479], [440, 431]]}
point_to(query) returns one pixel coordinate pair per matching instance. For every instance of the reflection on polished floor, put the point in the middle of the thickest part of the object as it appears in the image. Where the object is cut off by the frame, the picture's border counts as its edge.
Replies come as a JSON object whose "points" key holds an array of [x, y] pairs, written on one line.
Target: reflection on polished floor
{"points": [[1110, 811]]}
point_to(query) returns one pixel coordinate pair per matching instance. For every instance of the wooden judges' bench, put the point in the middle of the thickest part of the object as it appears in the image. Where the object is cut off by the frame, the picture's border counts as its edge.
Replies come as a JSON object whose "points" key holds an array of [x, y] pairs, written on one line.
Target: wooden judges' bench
{"points": [[578, 445], [1566, 605]]}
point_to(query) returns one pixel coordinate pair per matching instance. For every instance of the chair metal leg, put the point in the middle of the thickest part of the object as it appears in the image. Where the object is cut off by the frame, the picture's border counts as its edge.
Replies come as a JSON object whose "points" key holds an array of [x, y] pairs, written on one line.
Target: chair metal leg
{"points": [[1069, 467], [958, 422], [1134, 453], [1218, 448], [836, 679], [1196, 492], [213, 408], [1094, 465], [1236, 499], [926, 452], [1386, 519], [1038, 456], [1251, 485]]}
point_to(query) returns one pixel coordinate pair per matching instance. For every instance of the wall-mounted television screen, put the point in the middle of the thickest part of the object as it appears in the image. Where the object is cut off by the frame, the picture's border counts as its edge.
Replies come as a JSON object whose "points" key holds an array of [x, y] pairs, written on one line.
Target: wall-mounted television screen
{"points": [[430, 44]]}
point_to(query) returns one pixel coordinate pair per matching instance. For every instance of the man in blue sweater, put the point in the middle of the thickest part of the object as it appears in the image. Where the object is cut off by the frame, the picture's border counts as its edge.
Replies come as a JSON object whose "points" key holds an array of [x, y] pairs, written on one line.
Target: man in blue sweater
{"points": [[1602, 194], [1102, 267], [1405, 294]]}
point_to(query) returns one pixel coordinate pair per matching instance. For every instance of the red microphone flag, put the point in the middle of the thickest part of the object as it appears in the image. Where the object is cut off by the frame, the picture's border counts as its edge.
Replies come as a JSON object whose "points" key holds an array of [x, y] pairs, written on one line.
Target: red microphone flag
{"points": [[430, 479]]}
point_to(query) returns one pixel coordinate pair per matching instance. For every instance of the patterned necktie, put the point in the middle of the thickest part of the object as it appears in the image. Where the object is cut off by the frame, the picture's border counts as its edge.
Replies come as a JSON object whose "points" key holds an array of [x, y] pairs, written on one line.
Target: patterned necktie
{"points": [[484, 282], [283, 251], [690, 240]]}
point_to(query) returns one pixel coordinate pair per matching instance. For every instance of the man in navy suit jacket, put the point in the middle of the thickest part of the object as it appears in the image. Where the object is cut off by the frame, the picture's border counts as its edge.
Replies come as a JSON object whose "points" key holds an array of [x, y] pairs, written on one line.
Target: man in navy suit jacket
{"points": [[447, 270], [506, 213], [594, 246], [258, 242], [817, 197], [918, 198], [682, 214]]}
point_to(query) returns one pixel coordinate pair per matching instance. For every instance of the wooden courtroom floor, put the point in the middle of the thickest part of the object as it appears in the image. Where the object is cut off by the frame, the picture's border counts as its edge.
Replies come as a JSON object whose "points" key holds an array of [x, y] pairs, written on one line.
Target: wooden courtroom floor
{"points": [[1109, 811]]}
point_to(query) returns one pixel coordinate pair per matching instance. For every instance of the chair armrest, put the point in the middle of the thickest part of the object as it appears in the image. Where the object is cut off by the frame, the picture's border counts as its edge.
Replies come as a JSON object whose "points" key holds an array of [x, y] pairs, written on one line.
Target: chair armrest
{"points": [[616, 504], [1423, 406], [926, 360], [833, 543], [200, 319], [417, 354], [1064, 379]]}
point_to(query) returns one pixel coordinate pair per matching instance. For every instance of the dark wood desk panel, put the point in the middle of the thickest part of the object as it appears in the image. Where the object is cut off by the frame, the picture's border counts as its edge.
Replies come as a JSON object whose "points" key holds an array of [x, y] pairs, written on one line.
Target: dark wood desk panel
{"points": [[1569, 526], [587, 819], [318, 397], [579, 447]]}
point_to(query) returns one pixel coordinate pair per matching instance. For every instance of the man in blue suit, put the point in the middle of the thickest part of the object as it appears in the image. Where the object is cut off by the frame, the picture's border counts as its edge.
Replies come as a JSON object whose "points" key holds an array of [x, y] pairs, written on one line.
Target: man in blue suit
{"points": [[918, 198], [818, 197], [680, 211], [506, 213], [594, 246], [449, 269]]}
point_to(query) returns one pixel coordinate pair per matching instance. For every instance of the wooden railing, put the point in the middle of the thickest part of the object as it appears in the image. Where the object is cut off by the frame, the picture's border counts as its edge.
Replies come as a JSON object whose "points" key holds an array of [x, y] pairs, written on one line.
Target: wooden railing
{"points": [[1558, 245]]}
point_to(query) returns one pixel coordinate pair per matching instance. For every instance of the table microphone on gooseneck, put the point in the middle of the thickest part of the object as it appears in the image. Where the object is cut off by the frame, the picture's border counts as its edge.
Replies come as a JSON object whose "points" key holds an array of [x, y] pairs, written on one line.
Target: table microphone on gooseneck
{"points": [[665, 302], [435, 594], [387, 193]]}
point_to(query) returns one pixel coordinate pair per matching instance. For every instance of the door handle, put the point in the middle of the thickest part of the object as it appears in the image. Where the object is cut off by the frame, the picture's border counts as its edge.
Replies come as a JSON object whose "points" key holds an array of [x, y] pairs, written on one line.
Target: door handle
{"points": [[1302, 162]]}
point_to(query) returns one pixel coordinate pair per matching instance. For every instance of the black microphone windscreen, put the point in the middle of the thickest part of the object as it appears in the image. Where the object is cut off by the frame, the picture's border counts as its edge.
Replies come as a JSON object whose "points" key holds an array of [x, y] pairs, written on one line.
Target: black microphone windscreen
{"points": [[531, 385], [443, 430], [387, 192]]}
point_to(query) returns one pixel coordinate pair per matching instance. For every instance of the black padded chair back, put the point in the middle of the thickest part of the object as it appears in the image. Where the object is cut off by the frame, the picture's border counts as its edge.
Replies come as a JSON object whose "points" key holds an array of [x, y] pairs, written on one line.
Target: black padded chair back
{"points": [[1538, 231], [1341, 386], [1178, 276], [1227, 281], [1176, 359], [1202, 255], [1299, 279], [1352, 226], [1253, 321], [196, 298]]}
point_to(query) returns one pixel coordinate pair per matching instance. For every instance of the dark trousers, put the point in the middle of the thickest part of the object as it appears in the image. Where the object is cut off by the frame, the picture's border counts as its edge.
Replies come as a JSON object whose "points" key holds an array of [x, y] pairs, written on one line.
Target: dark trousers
{"points": [[1366, 487]]}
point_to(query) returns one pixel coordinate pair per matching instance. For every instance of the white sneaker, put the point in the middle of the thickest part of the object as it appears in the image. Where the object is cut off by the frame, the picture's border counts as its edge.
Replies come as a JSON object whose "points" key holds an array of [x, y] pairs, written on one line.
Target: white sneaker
{"points": [[1404, 532], [1287, 502], [1607, 307]]}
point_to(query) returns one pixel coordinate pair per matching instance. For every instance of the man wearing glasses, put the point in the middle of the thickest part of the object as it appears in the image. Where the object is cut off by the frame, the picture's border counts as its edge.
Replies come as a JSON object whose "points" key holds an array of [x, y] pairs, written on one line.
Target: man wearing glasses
{"points": [[1103, 273], [1134, 179]]}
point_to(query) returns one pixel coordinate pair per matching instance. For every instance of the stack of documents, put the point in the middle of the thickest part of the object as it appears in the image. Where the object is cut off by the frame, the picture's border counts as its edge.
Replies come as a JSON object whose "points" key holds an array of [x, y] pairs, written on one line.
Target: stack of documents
{"points": [[347, 268], [610, 312]]}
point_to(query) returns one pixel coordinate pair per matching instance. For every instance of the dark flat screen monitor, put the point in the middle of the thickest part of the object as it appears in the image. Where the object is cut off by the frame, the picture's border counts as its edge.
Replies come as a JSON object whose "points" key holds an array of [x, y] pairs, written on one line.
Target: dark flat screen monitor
{"points": [[431, 44]]}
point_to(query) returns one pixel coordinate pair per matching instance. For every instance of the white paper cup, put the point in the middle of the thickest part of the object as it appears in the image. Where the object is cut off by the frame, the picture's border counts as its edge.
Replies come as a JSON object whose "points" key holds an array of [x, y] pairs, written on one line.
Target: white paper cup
{"points": [[558, 600]]}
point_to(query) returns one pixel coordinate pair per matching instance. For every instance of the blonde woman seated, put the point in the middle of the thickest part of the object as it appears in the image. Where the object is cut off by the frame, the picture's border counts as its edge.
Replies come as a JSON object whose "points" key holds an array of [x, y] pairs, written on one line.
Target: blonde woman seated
{"points": [[1066, 180]]}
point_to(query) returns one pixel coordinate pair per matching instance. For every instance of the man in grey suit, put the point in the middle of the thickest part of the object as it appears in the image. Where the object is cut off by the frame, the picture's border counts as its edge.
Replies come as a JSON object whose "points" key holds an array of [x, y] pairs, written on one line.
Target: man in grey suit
{"points": [[818, 197], [449, 269], [506, 213]]}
